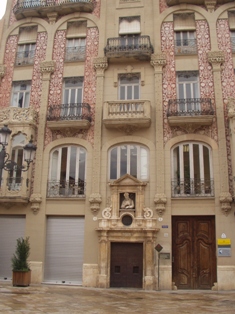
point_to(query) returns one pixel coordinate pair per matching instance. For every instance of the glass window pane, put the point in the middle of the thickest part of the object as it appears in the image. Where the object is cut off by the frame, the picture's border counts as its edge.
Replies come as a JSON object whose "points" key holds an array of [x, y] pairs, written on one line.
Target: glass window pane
{"points": [[54, 165], [63, 163], [196, 161], [136, 92], [113, 164], [82, 164], [206, 159], [129, 92], [123, 160], [72, 163], [143, 164], [133, 161]]}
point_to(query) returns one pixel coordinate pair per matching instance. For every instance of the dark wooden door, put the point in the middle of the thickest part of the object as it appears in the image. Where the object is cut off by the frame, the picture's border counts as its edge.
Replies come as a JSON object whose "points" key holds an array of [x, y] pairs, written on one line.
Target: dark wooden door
{"points": [[193, 252], [126, 265]]}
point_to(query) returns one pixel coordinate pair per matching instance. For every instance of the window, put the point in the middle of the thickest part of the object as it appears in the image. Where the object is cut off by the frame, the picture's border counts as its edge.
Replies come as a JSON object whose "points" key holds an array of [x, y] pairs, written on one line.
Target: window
{"points": [[15, 176], [129, 86], [185, 42], [21, 94], [72, 96], [67, 172], [128, 158], [232, 37], [188, 91], [25, 54], [192, 170], [75, 49], [129, 25]]}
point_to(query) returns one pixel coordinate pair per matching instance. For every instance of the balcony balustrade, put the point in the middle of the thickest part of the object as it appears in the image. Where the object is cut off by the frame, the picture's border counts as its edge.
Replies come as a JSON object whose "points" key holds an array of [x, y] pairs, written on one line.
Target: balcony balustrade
{"points": [[185, 47], [25, 57], [127, 113], [23, 117], [41, 8], [66, 188], [192, 188], [138, 47], [75, 54], [197, 111], [76, 116]]}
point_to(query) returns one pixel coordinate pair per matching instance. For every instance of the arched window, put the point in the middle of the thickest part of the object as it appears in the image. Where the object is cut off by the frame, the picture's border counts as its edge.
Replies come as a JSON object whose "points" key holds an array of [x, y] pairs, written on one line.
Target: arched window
{"points": [[15, 176], [67, 172], [128, 158], [192, 173]]}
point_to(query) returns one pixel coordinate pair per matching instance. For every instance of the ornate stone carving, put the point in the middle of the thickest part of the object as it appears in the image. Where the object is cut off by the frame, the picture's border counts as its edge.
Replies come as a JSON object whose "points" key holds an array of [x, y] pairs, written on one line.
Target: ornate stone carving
{"points": [[158, 60], [210, 5], [148, 212], [47, 67], [95, 200], [231, 107], [225, 202], [216, 57], [35, 201], [107, 213], [100, 65], [52, 17], [2, 70], [160, 201]]}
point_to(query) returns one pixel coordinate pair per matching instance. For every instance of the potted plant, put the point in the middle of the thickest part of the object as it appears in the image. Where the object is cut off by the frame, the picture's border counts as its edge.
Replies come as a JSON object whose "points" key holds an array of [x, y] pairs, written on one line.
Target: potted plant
{"points": [[21, 273]]}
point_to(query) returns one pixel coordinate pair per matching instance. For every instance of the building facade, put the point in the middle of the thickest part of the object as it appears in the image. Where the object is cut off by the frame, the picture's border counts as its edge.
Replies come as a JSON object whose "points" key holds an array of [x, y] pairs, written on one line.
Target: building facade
{"points": [[131, 104]]}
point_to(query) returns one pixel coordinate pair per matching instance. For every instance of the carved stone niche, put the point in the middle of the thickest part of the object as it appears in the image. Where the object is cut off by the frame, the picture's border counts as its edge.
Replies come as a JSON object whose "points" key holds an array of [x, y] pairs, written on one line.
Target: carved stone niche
{"points": [[127, 206]]}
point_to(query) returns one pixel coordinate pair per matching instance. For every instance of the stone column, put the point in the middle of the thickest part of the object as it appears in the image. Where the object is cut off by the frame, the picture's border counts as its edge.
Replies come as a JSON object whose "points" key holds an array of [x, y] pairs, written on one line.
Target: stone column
{"points": [[47, 68], [100, 65], [149, 278], [216, 59], [158, 61], [103, 260]]}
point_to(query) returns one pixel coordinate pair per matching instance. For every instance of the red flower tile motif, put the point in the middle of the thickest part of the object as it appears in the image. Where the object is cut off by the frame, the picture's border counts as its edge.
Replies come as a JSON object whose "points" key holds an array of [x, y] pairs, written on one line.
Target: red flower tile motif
{"points": [[205, 74], [228, 84], [40, 55], [162, 5], [169, 74], [96, 11], [12, 16], [9, 62]]}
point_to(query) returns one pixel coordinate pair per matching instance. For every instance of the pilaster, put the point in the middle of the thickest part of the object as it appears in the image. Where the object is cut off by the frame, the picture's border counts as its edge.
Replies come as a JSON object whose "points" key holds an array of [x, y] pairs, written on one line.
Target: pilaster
{"points": [[158, 61], [100, 65], [216, 59]]}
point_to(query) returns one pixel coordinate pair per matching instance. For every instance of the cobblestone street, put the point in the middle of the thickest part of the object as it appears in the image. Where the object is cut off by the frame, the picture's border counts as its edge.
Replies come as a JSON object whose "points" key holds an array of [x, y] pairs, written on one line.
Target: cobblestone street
{"points": [[73, 299]]}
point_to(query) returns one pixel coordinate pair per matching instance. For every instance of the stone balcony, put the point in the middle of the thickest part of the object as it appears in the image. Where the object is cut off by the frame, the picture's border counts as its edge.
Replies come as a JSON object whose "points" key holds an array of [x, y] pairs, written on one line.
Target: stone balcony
{"points": [[170, 3], [193, 111], [19, 117], [137, 47], [127, 114], [76, 116], [43, 8]]}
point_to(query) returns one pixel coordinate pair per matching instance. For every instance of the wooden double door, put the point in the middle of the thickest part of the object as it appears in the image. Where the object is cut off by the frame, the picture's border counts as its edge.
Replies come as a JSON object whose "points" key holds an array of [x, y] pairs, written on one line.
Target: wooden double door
{"points": [[126, 269], [193, 252]]}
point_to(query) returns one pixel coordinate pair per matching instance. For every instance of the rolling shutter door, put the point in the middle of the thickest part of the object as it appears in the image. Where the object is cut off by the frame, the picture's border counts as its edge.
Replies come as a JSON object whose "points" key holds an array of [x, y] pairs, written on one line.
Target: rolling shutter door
{"points": [[64, 250], [11, 228]]}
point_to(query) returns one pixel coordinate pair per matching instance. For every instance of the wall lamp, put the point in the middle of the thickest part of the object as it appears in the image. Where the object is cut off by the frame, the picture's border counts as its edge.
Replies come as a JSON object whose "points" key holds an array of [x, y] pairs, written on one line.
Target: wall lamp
{"points": [[10, 165]]}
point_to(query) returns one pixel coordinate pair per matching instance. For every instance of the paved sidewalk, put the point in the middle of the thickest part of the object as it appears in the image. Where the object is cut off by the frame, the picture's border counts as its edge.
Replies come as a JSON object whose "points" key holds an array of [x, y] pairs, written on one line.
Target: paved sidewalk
{"points": [[39, 299]]}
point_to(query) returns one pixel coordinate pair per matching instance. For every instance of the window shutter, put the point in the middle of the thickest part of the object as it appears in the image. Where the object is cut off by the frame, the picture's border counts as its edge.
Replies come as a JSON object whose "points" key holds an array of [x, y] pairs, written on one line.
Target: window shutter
{"points": [[231, 20], [129, 25], [76, 29], [28, 35], [184, 22]]}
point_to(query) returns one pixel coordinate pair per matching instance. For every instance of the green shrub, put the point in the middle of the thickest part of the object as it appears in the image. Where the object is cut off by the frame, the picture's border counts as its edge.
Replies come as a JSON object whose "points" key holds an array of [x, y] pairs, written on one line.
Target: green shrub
{"points": [[19, 260]]}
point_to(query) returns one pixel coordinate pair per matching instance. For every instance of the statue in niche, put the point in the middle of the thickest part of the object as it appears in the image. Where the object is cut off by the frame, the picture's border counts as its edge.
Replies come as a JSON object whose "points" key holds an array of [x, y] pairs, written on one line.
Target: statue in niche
{"points": [[127, 202]]}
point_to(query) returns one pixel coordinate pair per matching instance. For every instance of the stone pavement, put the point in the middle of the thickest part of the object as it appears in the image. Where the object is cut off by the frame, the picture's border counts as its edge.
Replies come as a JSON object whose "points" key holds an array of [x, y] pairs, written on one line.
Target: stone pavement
{"points": [[50, 299]]}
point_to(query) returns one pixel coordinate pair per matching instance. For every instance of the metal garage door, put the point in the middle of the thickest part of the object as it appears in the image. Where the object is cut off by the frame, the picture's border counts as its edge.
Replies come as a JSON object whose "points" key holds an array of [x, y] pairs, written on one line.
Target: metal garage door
{"points": [[11, 228], [64, 250]]}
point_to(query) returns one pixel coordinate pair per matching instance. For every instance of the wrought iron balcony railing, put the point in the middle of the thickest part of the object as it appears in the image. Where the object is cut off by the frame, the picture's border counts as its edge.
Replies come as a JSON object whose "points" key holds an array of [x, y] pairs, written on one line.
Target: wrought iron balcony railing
{"points": [[25, 57], [75, 53], [14, 183], [192, 188], [29, 8], [79, 111], [130, 46], [185, 46], [66, 188], [190, 107]]}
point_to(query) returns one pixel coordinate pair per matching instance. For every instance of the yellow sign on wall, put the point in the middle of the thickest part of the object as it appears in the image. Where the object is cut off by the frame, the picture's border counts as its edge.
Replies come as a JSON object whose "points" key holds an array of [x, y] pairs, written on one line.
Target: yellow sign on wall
{"points": [[224, 241]]}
